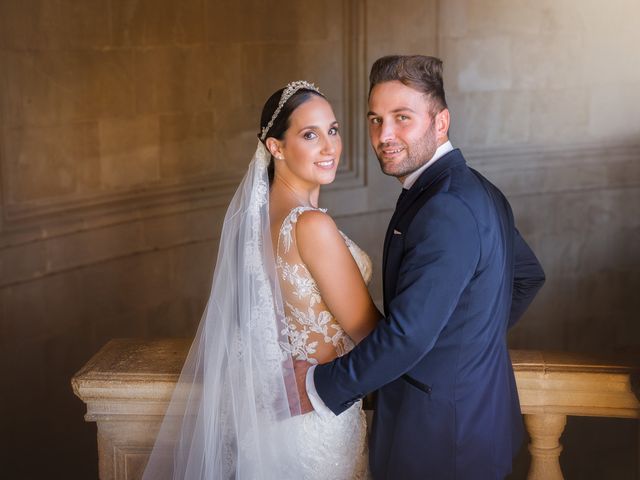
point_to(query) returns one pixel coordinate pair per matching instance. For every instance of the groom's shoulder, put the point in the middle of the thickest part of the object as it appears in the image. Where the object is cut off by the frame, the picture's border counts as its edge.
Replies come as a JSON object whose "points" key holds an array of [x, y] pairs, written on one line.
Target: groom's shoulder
{"points": [[444, 215], [464, 182], [453, 181], [454, 190]]}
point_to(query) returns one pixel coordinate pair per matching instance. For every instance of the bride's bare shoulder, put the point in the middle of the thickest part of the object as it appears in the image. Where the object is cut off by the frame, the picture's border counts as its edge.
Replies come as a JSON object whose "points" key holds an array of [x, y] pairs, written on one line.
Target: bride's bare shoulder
{"points": [[316, 230], [315, 222]]}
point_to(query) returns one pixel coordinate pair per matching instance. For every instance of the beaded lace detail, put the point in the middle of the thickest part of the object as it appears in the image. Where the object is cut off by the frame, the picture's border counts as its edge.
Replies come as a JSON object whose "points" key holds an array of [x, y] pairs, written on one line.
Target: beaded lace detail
{"points": [[309, 325]]}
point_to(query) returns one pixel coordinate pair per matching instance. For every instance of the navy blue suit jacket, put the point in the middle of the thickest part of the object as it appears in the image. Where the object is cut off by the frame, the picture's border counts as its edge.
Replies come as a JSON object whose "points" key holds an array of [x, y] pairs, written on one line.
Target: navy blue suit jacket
{"points": [[457, 274]]}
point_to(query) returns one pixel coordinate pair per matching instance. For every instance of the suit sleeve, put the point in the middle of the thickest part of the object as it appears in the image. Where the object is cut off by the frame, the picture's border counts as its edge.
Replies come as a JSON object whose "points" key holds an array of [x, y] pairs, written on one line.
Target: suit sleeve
{"points": [[441, 253], [528, 278]]}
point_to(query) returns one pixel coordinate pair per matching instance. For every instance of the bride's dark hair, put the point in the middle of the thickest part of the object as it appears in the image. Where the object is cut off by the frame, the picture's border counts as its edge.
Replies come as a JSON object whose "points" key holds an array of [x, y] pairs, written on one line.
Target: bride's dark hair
{"points": [[281, 123]]}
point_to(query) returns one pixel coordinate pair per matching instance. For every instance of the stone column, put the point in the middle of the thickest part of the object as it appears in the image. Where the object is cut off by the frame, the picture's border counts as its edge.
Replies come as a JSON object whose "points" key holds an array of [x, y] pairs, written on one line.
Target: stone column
{"points": [[545, 431]]}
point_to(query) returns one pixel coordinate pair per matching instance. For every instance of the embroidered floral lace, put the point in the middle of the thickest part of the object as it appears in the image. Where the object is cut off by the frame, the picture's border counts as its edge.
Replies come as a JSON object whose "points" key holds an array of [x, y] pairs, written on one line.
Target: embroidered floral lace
{"points": [[325, 448], [310, 327]]}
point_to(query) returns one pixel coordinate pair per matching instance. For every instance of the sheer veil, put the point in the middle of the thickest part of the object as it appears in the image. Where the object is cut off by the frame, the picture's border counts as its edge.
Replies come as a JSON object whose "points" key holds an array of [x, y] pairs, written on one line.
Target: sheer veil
{"points": [[228, 415]]}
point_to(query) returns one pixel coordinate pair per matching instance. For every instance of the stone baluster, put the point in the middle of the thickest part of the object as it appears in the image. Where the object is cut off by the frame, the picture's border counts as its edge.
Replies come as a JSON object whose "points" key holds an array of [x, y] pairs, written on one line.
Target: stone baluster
{"points": [[545, 431]]}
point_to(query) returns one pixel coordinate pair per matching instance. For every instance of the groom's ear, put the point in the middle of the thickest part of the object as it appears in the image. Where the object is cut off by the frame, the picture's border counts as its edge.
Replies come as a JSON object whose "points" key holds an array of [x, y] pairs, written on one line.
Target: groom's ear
{"points": [[442, 122]]}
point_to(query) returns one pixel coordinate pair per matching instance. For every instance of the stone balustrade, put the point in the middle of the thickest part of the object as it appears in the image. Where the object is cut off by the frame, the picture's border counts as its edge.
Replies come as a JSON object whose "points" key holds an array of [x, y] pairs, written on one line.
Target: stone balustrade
{"points": [[128, 383], [552, 385]]}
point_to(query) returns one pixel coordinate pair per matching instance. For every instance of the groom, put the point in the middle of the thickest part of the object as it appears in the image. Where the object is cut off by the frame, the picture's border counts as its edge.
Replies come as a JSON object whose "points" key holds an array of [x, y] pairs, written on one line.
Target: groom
{"points": [[457, 274]]}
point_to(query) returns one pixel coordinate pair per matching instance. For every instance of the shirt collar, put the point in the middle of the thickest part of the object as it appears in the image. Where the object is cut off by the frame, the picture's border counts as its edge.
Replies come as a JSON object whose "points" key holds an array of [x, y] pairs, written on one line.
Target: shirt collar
{"points": [[441, 151]]}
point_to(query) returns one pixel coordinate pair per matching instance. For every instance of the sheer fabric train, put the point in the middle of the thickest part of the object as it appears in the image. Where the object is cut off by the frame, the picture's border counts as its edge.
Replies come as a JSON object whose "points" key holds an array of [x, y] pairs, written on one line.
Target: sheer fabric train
{"points": [[228, 416]]}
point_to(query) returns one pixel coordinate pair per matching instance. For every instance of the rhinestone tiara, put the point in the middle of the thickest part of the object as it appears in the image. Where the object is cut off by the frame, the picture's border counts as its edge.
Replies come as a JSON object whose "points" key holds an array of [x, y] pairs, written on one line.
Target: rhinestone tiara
{"points": [[289, 90]]}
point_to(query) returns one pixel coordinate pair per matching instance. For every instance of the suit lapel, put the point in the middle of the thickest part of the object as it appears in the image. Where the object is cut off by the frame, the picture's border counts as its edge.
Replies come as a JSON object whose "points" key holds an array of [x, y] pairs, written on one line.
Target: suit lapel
{"points": [[392, 222], [430, 175]]}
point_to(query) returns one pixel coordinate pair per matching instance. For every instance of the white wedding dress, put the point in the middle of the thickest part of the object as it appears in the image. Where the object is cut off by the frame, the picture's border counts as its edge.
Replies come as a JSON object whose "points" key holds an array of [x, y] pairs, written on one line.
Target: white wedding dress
{"points": [[234, 413], [332, 448]]}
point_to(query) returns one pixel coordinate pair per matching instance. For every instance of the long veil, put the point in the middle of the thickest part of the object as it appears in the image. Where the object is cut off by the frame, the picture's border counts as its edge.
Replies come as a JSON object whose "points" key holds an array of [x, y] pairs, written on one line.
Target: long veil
{"points": [[228, 414]]}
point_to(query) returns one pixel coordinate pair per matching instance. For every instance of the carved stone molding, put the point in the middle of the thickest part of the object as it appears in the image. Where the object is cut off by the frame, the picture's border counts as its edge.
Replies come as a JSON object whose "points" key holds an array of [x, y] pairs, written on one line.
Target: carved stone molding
{"points": [[535, 170], [355, 89]]}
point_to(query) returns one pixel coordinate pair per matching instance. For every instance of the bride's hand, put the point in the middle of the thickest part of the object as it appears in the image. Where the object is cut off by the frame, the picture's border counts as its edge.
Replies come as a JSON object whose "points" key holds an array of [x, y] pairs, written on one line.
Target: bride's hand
{"points": [[301, 368]]}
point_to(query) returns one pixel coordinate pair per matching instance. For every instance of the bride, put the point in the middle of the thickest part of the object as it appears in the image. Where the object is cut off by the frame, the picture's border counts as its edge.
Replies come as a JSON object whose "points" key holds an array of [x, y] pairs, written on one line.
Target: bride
{"points": [[288, 285]]}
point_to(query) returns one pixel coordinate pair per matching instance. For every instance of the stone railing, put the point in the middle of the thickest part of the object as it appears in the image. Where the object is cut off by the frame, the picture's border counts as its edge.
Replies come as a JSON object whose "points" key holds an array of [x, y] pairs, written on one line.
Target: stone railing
{"points": [[552, 385], [127, 384]]}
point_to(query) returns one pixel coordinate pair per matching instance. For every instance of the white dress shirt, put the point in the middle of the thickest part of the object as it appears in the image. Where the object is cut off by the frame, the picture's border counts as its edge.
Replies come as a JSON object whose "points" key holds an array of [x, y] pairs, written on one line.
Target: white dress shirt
{"points": [[318, 405]]}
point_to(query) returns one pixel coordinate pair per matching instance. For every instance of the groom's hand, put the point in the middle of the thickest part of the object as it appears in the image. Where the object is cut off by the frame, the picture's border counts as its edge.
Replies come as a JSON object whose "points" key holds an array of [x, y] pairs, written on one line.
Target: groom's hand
{"points": [[301, 369]]}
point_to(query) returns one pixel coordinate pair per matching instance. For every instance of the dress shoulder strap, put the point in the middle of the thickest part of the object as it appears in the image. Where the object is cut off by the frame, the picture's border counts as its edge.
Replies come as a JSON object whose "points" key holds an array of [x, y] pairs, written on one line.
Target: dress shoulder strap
{"points": [[285, 236]]}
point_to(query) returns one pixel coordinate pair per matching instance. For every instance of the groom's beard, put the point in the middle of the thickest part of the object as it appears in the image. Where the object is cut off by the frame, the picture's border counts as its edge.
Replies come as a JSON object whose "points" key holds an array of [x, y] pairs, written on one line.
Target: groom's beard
{"points": [[416, 154]]}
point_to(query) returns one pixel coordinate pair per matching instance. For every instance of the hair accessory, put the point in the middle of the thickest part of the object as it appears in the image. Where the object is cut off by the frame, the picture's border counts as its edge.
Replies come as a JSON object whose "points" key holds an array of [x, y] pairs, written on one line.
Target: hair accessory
{"points": [[289, 90]]}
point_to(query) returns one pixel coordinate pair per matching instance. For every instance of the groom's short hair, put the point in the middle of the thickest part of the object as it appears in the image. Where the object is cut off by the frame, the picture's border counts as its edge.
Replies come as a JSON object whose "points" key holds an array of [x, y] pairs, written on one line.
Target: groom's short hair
{"points": [[419, 72]]}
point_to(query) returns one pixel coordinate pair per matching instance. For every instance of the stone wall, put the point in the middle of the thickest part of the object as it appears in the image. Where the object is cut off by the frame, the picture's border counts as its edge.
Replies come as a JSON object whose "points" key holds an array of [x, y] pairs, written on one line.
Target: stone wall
{"points": [[124, 126], [544, 99]]}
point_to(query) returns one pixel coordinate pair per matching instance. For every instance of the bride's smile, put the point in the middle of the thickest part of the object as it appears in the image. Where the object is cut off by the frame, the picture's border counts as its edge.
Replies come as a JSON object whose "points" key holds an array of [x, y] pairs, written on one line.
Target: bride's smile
{"points": [[309, 154], [326, 165]]}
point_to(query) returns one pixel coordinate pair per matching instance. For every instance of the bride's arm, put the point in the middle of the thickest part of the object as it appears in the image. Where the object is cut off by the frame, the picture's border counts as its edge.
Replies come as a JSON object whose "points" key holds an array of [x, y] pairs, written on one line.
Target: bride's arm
{"points": [[326, 255]]}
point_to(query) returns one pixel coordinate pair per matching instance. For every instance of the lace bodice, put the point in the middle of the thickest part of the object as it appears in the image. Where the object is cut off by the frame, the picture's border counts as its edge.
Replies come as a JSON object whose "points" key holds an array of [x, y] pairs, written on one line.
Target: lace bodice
{"points": [[312, 330]]}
